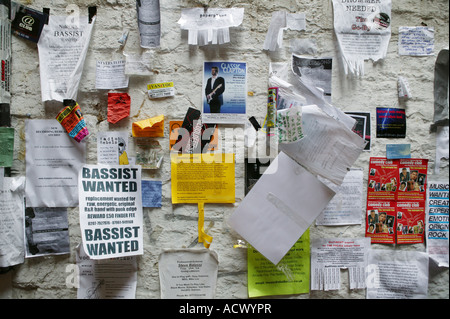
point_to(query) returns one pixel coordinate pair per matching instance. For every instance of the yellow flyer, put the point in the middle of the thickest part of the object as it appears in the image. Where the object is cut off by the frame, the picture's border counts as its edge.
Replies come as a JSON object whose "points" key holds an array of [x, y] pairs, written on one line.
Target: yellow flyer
{"points": [[203, 178], [290, 276]]}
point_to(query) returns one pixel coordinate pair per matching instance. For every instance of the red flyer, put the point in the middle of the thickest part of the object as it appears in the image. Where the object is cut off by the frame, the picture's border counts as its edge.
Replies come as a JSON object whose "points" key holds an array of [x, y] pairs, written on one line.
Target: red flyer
{"points": [[412, 179], [381, 221], [383, 179], [410, 222]]}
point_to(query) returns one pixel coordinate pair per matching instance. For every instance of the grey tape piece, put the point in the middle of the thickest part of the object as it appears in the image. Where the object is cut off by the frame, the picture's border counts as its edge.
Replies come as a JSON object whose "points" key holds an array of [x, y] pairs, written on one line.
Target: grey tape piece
{"points": [[286, 210]]}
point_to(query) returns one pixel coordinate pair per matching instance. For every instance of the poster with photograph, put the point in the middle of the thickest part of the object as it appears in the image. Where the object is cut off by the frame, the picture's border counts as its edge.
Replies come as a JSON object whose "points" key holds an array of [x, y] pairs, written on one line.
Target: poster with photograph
{"points": [[381, 221], [410, 222], [111, 219], [400, 185], [224, 92], [415, 178]]}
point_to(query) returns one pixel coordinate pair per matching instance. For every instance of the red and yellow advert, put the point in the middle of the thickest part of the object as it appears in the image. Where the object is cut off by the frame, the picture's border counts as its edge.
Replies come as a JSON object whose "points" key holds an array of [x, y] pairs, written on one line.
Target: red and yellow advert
{"points": [[381, 221], [410, 222], [383, 179], [412, 179]]}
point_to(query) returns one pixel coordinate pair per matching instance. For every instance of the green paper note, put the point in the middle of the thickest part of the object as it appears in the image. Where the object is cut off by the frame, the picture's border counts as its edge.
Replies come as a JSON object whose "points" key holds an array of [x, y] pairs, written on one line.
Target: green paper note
{"points": [[290, 276], [6, 146]]}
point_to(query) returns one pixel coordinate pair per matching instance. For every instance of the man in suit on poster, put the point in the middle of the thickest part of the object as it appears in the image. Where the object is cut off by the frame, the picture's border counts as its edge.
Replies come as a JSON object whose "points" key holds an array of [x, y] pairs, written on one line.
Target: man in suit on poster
{"points": [[215, 86]]}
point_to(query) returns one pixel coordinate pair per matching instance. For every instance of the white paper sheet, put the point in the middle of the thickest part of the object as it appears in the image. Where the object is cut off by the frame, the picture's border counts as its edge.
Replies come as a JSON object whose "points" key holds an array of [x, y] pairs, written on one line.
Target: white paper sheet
{"points": [[211, 25], [280, 207], [188, 273], [52, 163], [397, 274], [114, 278], [62, 50], [330, 255], [12, 245], [345, 208], [328, 149]]}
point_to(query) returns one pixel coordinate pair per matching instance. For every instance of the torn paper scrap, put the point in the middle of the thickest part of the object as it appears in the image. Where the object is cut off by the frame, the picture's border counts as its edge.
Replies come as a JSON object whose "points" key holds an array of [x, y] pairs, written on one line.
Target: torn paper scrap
{"points": [[211, 25], [114, 278], [415, 41], [118, 106], [151, 127], [61, 61], [71, 118], [188, 273], [328, 148], [330, 255], [363, 31], [280, 207], [442, 147], [139, 63], [6, 146], [280, 21], [397, 274], [404, 91], [149, 23], [149, 153]]}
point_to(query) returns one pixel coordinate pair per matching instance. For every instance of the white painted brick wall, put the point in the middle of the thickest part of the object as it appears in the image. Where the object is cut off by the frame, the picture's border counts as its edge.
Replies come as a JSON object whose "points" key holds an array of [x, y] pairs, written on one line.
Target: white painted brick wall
{"points": [[176, 226]]}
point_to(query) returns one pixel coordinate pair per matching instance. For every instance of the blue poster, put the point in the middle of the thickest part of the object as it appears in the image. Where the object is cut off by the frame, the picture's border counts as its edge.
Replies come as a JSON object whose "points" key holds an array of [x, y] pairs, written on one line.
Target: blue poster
{"points": [[151, 193], [224, 92]]}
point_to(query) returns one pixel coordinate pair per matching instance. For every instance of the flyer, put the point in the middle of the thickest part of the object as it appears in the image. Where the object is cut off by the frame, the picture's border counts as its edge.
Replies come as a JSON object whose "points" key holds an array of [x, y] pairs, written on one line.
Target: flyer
{"points": [[396, 195], [53, 160], [12, 246], [203, 178], [188, 273], [363, 31], [114, 278], [110, 75], [346, 206], [330, 255], [397, 274], [46, 231], [149, 23], [224, 95], [289, 277], [62, 48], [410, 222], [437, 212], [112, 147], [391, 122], [111, 220]]}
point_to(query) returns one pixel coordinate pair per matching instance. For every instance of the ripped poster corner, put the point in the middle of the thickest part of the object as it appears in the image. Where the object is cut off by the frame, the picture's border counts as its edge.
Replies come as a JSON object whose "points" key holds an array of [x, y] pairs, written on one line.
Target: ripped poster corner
{"points": [[363, 32]]}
